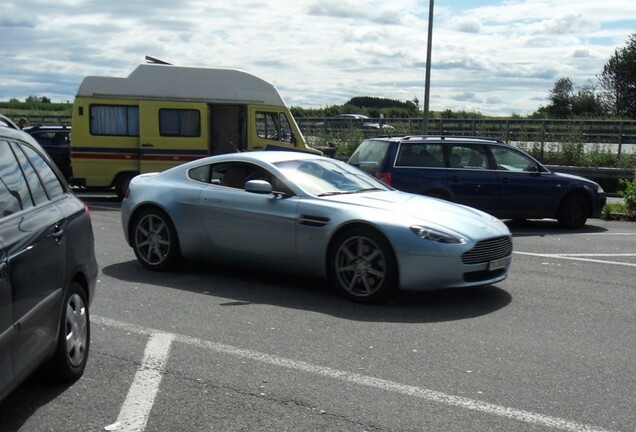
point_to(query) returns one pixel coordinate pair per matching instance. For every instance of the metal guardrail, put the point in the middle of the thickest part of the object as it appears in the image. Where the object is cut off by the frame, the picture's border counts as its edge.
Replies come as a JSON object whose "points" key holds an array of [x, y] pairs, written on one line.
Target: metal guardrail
{"points": [[615, 132]]}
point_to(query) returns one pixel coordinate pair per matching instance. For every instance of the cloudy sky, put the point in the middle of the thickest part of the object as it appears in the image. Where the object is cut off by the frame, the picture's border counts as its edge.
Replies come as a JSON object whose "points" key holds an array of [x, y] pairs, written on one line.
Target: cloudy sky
{"points": [[493, 56]]}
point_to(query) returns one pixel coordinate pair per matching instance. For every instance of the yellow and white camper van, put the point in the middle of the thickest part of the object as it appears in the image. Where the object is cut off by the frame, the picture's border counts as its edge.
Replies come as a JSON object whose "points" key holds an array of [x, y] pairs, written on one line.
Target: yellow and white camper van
{"points": [[162, 115]]}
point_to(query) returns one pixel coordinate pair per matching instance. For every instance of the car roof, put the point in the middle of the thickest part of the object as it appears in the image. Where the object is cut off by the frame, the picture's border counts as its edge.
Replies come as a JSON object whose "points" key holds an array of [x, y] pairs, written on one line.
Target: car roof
{"points": [[440, 138], [30, 129], [11, 131]]}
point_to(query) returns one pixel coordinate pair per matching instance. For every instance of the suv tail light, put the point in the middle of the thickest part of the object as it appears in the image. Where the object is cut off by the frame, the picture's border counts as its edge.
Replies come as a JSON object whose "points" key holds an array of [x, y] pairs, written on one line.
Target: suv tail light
{"points": [[384, 176]]}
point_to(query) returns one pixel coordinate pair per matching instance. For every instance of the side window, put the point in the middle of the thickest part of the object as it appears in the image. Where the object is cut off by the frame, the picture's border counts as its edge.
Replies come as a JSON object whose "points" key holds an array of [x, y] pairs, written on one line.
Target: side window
{"points": [[468, 157], [288, 133], [179, 122], [14, 193], [121, 120], [45, 177], [234, 175], [267, 125], [420, 155], [370, 154], [201, 173], [512, 160]]}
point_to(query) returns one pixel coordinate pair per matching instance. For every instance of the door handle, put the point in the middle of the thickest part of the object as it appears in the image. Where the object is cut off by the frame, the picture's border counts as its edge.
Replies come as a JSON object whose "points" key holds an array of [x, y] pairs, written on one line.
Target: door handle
{"points": [[455, 179], [147, 145], [58, 233]]}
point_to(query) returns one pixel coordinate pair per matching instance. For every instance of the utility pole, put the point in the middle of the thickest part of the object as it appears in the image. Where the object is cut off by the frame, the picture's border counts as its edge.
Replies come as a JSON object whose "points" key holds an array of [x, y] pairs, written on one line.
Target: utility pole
{"points": [[427, 82]]}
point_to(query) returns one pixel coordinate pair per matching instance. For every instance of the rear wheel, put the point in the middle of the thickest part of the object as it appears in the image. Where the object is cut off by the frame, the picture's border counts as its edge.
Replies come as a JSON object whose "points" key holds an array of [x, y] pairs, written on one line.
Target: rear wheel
{"points": [[573, 212], [154, 240], [362, 266], [69, 360]]}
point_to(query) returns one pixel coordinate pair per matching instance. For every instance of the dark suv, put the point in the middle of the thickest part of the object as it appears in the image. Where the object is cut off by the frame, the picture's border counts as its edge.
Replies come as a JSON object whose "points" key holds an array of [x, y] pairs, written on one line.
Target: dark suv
{"points": [[48, 269], [482, 173], [56, 141]]}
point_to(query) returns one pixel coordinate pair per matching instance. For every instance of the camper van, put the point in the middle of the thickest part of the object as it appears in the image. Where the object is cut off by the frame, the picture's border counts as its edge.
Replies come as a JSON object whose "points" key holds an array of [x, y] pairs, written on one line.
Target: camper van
{"points": [[162, 115]]}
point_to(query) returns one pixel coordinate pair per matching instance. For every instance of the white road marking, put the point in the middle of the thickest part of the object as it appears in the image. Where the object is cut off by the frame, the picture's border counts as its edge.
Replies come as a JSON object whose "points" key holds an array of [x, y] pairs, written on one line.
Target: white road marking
{"points": [[135, 411], [579, 257], [362, 380]]}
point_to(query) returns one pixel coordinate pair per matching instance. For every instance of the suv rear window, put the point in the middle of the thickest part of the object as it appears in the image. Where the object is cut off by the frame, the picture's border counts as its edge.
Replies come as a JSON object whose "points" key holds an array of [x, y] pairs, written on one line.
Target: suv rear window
{"points": [[370, 154]]}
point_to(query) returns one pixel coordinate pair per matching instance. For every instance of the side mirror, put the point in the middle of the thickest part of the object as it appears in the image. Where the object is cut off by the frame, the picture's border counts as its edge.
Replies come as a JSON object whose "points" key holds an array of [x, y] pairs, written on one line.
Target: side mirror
{"points": [[258, 186]]}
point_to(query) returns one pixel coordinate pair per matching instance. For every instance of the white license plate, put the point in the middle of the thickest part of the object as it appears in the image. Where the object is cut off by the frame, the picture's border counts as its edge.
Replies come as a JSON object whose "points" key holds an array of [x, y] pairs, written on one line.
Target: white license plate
{"points": [[497, 264]]}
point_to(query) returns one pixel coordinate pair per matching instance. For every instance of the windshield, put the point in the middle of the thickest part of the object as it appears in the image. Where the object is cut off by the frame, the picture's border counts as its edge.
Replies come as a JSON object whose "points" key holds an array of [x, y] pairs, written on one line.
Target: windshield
{"points": [[325, 177]]}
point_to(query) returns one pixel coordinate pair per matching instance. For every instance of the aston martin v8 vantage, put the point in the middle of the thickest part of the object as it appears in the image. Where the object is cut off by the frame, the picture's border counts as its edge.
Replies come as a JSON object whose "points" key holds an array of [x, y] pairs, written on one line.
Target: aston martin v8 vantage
{"points": [[315, 216]]}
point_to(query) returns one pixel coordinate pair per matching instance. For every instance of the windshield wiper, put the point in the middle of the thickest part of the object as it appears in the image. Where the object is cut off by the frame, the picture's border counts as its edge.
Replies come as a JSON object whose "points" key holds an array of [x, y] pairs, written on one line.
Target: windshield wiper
{"points": [[372, 189], [336, 193]]}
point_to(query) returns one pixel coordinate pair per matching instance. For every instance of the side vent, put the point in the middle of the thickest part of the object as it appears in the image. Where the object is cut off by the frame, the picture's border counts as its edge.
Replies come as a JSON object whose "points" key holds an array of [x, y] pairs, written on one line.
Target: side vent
{"points": [[313, 221]]}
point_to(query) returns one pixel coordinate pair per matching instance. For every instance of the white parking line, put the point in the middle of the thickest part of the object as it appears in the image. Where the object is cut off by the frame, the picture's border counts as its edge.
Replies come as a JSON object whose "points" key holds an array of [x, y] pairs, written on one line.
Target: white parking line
{"points": [[135, 412], [580, 257], [362, 380]]}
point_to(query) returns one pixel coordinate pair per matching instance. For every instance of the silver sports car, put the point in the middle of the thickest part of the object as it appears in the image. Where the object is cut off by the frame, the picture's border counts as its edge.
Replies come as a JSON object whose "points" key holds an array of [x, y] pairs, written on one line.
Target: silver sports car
{"points": [[312, 215]]}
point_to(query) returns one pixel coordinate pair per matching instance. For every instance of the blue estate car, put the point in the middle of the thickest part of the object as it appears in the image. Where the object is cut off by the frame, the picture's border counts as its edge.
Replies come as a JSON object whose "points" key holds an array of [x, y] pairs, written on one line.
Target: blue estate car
{"points": [[486, 174]]}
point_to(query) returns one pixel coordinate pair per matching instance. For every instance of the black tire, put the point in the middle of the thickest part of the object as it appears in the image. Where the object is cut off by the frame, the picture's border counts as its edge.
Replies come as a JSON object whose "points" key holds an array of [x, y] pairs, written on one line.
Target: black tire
{"points": [[362, 266], [154, 240], [573, 212], [73, 341], [122, 183]]}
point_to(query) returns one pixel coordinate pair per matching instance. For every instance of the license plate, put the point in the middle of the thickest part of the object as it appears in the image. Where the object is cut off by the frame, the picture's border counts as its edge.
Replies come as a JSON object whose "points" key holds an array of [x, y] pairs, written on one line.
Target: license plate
{"points": [[497, 264]]}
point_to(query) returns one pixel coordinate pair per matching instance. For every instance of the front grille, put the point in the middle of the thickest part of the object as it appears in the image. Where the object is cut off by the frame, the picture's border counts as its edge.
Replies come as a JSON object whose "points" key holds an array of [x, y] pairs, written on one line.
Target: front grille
{"points": [[488, 250]]}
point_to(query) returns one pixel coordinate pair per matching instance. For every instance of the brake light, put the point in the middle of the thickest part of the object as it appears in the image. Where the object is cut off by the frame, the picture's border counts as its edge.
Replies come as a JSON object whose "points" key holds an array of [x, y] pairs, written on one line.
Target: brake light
{"points": [[88, 213], [384, 176]]}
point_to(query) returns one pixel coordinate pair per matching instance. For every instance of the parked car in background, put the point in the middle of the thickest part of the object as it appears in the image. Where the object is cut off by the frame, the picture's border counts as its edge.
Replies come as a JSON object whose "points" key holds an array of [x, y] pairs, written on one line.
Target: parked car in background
{"points": [[56, 141], [353, 121], [486, 174], [48, 269], [317, 216]]}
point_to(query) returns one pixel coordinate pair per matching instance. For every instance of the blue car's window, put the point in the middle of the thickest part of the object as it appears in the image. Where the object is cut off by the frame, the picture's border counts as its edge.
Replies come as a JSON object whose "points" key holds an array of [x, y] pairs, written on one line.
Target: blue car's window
{"points": [[512, 160], [370, 154], [468, 157], [420, 155]]}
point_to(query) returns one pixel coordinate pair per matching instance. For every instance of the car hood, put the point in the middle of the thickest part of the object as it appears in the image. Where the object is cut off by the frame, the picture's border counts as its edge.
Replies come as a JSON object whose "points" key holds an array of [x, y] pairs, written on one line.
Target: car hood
{"points": [[432, 212], [574, 177]]}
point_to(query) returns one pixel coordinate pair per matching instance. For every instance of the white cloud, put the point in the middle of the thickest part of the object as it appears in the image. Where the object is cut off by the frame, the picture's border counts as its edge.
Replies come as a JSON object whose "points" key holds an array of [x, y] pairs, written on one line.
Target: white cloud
{"points": [[496, 59]]}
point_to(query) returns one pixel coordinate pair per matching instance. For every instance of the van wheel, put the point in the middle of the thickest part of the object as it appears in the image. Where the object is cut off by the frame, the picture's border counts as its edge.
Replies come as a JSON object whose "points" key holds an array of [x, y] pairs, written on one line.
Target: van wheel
{"points": [[362, 266], [73, 340], [122, 183], [573, 212], [154, 240]]}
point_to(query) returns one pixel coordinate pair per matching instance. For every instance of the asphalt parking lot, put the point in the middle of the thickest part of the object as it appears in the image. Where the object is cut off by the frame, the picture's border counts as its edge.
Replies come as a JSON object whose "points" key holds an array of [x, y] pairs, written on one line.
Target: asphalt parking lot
{"points": [[208, 348]]}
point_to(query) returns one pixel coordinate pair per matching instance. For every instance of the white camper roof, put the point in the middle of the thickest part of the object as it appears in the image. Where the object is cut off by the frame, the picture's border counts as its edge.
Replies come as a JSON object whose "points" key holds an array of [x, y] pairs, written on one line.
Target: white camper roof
{"points": [[167, 82]]}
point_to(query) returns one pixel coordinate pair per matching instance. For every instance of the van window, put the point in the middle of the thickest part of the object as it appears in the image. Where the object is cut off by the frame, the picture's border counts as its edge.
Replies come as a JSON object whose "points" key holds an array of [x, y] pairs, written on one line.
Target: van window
{"points": [[267, 125], [179, 122], [120, 120]]}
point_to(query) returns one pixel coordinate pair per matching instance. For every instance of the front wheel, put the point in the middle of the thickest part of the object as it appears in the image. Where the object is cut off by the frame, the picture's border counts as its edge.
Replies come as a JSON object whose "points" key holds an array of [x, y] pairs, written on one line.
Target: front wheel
{"points": [[573, 212], [154, 240], [69, 360], [362, 266]]}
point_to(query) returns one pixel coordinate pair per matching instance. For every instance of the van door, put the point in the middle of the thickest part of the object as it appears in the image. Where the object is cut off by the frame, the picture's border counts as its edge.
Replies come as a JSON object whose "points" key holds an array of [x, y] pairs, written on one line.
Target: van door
{"points": [[273, 128], [171, 133], [228, 128]]}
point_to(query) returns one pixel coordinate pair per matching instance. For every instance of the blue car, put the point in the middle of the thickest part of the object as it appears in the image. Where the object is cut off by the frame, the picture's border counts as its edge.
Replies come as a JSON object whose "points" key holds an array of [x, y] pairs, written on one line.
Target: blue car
{"points": [[486, 174]]}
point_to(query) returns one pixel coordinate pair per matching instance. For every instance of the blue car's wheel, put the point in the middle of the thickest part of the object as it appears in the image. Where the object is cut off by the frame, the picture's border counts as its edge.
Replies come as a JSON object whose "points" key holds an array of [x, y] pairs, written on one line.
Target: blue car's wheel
{"points": [[362, 266]]}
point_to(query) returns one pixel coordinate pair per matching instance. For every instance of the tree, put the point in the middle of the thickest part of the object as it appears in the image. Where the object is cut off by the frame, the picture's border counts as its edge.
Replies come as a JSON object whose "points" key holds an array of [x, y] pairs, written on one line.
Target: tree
{"points": [[618, 81], [561, 98]]}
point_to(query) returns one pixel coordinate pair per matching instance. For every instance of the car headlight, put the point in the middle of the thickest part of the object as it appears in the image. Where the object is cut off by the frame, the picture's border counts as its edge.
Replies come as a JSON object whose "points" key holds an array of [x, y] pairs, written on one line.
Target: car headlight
{"points": [[436, 235], [599, 189]]}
